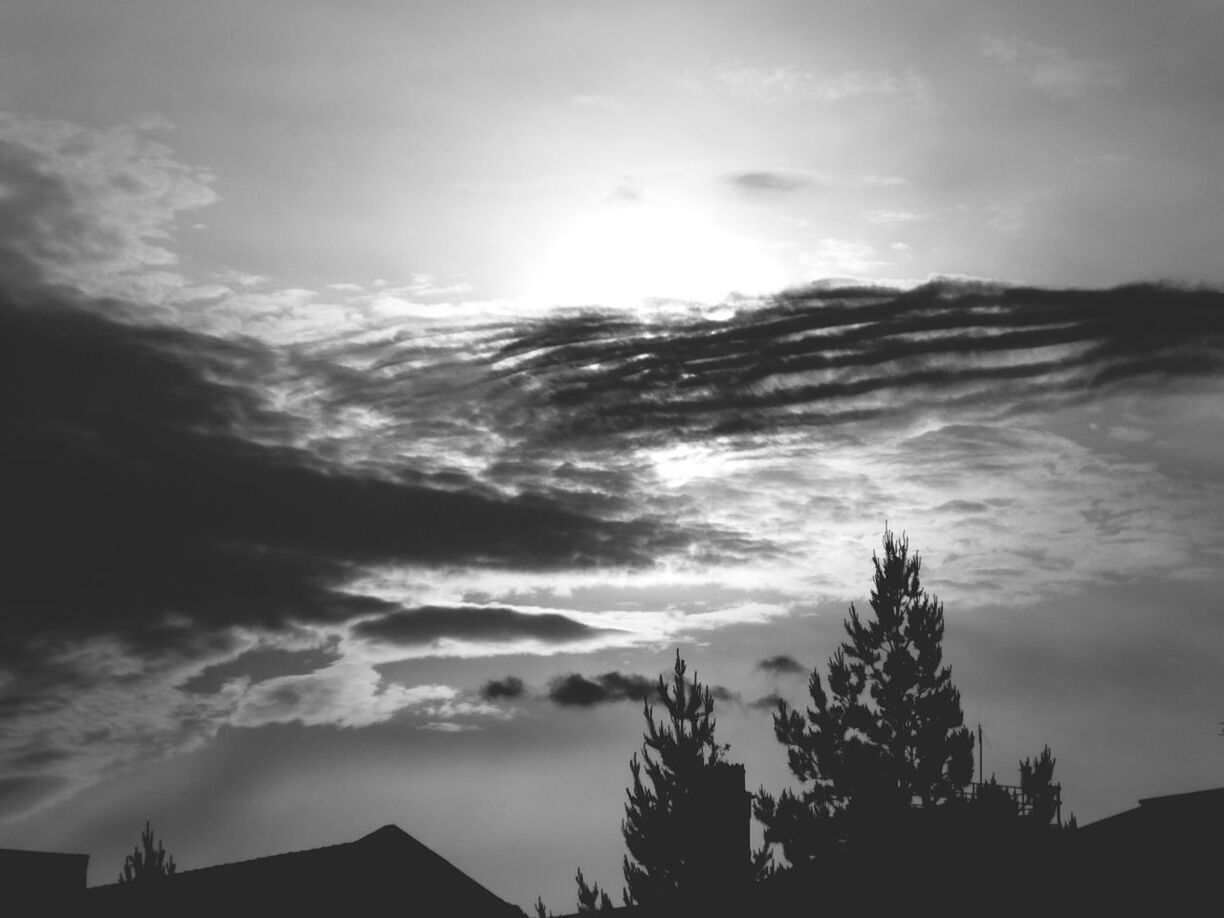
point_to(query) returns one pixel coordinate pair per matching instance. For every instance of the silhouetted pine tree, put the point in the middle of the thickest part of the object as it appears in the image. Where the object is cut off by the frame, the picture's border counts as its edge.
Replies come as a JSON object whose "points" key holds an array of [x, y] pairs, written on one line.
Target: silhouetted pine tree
{"points": [[591, 898], [147, 862], [890, 730], [1037, 785], [666, 820], [663, 822]]}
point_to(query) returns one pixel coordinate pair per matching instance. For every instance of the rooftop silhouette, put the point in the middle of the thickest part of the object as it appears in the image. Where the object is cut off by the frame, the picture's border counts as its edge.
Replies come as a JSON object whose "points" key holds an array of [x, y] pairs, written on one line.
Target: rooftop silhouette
{"points": [[385, 867]]}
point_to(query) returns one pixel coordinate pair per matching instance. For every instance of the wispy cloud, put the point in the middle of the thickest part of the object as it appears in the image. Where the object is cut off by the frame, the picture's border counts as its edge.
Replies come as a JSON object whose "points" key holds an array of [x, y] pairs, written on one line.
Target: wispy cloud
{"points": [[345, 694], [1050, 69], [766, 702], [764, 181], [92, 209], [783, 85], [836, 257], [897, 217]]}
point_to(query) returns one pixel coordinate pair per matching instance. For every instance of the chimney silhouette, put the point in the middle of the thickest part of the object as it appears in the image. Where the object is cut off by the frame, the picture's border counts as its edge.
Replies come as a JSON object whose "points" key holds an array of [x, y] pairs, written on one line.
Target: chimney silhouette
{"points": [[722, 818]]}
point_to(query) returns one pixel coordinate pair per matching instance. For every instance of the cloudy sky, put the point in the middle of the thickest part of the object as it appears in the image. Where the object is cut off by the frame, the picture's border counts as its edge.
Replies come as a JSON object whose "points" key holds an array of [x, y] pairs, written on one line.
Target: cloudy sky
{"points": [[389, 389]]}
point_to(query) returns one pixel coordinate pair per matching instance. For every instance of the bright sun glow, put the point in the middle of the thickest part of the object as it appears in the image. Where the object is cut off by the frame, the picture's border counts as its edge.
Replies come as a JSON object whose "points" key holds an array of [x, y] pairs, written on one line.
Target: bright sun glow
{"points": [[629, 252]]}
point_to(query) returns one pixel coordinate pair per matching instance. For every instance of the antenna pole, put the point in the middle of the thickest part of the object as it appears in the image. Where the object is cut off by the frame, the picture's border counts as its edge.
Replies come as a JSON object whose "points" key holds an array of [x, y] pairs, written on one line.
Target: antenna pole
{"points": [[981, 768]]}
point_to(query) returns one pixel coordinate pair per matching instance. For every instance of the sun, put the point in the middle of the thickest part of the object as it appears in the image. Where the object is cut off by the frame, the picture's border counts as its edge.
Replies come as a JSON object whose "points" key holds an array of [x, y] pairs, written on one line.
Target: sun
{"points": [[626, 252]]}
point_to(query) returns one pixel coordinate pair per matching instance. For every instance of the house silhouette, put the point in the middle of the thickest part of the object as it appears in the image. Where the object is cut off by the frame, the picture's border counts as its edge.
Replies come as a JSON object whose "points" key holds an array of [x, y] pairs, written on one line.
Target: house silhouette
{"points": [[51, 879], [1163, 855], [385, 871]]}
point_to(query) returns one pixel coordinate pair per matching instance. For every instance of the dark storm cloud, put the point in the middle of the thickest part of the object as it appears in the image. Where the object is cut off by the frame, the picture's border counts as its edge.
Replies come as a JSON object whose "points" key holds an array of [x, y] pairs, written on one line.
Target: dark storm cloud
{"points": [[822, 358], [781, 665], [429, 624], [577, 691], [509, 687], [768, 182], [145, 473]]}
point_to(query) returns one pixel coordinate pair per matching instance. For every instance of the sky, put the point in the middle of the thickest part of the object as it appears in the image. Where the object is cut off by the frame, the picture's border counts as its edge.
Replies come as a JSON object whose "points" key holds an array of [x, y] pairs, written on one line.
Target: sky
{"points": [[390, 389]]}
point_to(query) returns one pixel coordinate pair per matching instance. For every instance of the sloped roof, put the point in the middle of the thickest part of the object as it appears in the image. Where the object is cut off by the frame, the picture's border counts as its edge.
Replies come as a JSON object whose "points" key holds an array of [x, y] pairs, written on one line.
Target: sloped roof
{"points": [[1160, 811], [386, 867]]}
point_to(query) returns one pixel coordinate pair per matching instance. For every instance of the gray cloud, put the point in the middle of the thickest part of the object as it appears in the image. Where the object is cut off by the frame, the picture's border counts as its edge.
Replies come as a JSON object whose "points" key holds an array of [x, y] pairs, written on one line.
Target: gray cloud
{"points": [[782, 665], [725, 695], [769, 182], [766, 702], [429, 624], [574, 690], [509, 687]]}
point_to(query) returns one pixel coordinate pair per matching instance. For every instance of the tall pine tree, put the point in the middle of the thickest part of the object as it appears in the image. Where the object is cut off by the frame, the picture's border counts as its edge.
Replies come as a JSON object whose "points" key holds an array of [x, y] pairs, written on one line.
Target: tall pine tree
{"points": [[659, 831], [682, 813], [889, 732]]}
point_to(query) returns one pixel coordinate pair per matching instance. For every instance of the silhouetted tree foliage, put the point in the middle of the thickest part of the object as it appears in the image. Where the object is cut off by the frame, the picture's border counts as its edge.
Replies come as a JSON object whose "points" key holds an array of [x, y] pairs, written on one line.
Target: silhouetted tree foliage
{"points": [[666, 819], [889, 732], [663, 826], [146, 861], [660, 844], [995, 803], [591, 898], [1037, 785], [540, 910]]}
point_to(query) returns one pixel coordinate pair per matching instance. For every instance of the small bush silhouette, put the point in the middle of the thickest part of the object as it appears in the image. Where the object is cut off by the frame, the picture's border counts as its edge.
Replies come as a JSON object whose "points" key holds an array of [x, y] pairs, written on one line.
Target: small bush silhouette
{"points": [[147, 862]]}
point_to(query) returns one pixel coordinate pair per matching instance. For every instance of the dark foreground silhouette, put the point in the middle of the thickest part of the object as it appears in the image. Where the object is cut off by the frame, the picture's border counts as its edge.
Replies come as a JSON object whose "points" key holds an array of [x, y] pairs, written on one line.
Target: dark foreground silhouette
{"points": [[1161, 857], [387, 870]]}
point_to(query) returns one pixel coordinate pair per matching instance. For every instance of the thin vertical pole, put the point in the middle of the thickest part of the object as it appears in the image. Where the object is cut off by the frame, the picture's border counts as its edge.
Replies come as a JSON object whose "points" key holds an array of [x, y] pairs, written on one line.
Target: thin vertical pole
{"points": [[981, 768]]}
